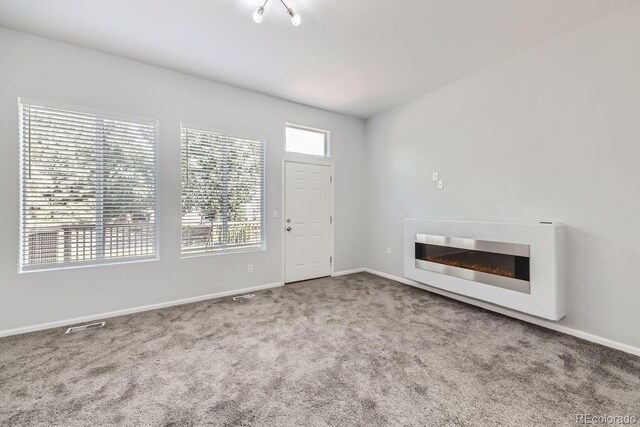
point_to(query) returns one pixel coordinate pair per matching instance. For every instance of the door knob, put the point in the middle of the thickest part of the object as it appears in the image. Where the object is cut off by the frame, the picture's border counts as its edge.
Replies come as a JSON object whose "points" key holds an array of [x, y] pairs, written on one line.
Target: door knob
{"points": [[288, 228]]}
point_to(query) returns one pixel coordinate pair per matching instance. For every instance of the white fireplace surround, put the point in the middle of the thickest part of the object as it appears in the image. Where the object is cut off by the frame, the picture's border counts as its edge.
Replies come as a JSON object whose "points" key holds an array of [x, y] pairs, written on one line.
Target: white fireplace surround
{"points": [[546, 242]]}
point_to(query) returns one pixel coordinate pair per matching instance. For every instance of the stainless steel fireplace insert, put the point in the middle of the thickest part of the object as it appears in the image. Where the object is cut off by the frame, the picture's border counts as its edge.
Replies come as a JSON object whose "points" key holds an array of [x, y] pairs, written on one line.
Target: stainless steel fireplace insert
{"points": [[505, 265]]}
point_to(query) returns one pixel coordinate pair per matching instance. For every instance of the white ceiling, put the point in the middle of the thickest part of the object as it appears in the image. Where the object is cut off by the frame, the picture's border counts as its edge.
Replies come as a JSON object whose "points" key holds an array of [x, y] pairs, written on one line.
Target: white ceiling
{"points": [[358, 57]]}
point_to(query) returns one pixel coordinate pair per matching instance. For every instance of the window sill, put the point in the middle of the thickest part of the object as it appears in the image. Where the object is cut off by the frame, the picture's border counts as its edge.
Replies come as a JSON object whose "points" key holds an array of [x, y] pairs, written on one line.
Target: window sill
{"points": [[53, 267], [261, 248]]}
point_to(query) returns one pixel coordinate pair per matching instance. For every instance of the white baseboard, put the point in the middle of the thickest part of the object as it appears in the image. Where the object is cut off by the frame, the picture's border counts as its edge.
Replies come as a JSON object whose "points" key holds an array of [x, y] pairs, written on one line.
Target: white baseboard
{"points": [[132, 310], [345, 272], [521, 316], [540, 322]]}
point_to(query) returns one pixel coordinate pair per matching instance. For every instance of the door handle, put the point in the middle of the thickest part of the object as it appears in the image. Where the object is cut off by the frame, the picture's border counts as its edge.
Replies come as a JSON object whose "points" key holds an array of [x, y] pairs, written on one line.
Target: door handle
{"points": [[288, 228]]}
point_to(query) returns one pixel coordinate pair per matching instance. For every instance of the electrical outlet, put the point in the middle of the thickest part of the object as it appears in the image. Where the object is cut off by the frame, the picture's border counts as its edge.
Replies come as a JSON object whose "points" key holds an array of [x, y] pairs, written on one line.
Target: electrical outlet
{"points": [[440, 185], [250, 268], [434, 176], [388, 251]]}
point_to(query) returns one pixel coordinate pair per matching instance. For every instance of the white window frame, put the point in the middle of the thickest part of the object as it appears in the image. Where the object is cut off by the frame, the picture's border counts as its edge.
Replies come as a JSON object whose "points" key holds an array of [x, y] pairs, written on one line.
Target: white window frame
{"points": [[327, 140], [263, 232], [22, 269]]}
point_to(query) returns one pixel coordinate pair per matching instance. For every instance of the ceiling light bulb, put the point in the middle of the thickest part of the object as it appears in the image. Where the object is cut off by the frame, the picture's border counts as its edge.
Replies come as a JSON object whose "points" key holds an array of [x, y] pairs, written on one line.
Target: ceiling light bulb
{"points": [[295, 19], [258, 15]]}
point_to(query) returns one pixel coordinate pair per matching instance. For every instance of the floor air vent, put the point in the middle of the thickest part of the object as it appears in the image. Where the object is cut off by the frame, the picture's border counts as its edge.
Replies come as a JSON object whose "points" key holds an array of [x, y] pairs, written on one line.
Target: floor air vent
{"points": [[85, 327], [247, 296]]}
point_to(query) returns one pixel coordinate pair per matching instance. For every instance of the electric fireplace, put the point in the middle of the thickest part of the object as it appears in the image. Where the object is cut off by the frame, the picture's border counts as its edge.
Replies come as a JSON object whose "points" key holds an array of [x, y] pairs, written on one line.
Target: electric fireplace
{"points": [[501, 264], [519, 266]]}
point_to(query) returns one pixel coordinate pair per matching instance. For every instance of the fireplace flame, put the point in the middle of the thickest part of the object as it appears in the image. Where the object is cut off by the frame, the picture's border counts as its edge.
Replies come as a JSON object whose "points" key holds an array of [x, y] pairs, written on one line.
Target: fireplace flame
{"points": [[472, 266]]}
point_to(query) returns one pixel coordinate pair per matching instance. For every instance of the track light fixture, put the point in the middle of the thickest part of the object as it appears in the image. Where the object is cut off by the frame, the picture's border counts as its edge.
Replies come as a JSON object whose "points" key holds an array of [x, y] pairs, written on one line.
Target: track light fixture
{"points": [[258, 15]]}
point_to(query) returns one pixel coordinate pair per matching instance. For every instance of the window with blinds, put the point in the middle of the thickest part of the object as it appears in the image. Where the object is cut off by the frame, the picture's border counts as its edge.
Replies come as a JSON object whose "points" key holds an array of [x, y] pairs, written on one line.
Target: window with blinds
{"points": [[88, 188], [222, 192]]}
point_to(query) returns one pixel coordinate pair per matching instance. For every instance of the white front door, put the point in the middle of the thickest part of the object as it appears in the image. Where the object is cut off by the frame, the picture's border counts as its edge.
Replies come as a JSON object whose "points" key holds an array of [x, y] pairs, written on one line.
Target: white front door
{"points": [[307, 221]]}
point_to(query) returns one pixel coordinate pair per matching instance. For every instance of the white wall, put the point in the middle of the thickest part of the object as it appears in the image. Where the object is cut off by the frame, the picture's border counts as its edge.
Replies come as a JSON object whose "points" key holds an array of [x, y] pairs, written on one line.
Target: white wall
{"points": [[551, 134], [41, 69]]}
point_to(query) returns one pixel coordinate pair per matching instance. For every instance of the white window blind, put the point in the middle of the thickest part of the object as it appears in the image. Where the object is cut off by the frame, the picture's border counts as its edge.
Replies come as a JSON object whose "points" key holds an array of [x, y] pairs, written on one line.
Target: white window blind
{"points": [[222, 192], [88, 188]]}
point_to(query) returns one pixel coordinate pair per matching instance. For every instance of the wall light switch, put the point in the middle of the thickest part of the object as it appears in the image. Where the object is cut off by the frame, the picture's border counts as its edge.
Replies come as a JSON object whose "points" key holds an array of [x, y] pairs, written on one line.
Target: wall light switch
{"points": [[275, 214], [435, 176], [388, 251], [440, 185]]}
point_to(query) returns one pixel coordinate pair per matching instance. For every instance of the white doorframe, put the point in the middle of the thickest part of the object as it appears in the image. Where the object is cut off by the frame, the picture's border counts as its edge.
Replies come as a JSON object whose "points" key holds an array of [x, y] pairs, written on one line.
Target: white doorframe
{"points": [[283, 236]]}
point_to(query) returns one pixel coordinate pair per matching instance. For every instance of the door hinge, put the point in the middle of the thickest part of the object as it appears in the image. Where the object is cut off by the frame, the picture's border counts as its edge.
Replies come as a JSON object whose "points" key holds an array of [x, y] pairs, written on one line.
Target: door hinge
{"points": [[331, 260], [330, 178], [330, 219]]}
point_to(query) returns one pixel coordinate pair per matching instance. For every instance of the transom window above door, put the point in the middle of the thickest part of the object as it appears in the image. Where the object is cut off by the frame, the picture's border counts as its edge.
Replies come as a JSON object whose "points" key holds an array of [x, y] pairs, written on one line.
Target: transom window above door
{"points": [[305, 140]]}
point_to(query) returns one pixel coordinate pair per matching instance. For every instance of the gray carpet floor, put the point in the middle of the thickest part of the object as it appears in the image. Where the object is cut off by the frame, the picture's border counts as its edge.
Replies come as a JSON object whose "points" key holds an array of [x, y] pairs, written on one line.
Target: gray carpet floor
{"points": [[351, 350]]}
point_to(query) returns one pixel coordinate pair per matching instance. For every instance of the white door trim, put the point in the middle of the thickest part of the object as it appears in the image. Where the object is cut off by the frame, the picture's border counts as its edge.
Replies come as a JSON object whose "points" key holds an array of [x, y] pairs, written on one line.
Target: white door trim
{"points": [[283, 237]]}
